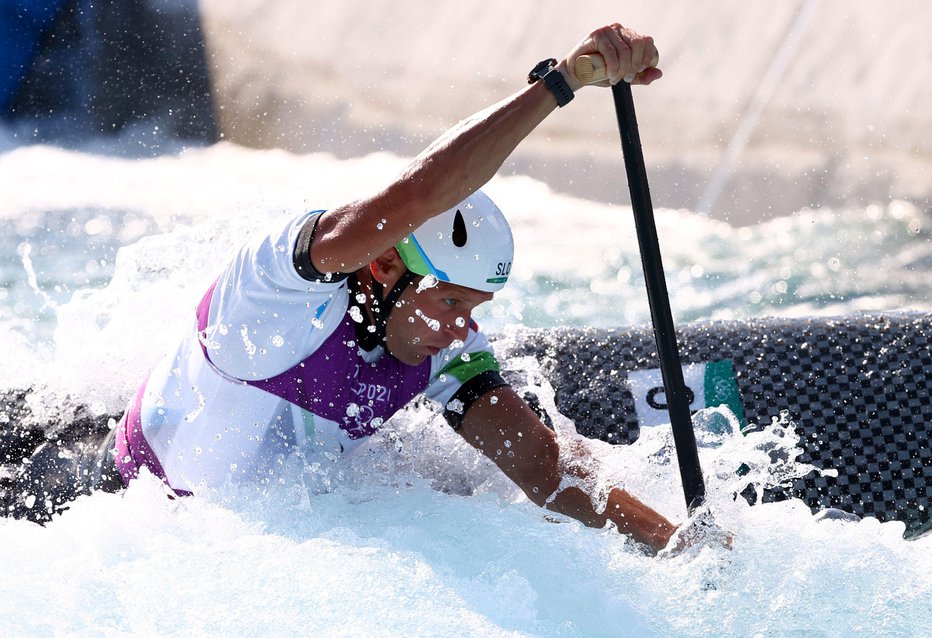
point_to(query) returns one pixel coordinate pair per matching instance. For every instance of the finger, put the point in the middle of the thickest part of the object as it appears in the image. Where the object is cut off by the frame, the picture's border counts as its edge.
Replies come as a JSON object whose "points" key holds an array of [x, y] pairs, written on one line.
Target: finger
{"points": [[638, 47], [610, 54], [629, 53], [647, 76], [609, 44], [616, 37], [652, 56]]}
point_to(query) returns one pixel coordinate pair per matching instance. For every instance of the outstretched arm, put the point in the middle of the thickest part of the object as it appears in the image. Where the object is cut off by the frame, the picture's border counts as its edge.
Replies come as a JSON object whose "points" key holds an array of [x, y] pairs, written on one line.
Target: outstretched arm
{"points": [[464, 158], [500, 422]]}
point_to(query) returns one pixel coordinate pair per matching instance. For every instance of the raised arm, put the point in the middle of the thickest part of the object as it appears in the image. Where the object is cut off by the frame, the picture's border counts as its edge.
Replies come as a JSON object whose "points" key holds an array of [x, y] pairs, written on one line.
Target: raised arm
{"points": [[502, 426], [464, 158]]}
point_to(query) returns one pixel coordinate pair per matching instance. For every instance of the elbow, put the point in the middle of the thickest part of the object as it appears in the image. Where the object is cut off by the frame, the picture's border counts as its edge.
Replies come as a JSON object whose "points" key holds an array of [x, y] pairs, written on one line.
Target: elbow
{"points": [[545, 476], [428, 187], [412, 201]]}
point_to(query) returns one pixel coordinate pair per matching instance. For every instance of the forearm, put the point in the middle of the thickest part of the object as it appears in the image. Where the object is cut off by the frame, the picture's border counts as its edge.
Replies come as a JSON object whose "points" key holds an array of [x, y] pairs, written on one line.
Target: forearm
{"points": [[451, 168], [629, 515], [538, 466], [469, 154], [466, 157]]}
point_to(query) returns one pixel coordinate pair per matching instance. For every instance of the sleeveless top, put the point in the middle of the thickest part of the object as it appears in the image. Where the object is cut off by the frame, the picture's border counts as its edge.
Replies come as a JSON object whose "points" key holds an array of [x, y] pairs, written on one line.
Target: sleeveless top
{"points": [[272, 367]]}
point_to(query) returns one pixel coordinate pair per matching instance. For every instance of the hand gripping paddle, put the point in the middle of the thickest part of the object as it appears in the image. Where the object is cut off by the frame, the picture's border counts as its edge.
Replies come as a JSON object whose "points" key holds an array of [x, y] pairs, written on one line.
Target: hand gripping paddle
{"points": [[589, 69]]}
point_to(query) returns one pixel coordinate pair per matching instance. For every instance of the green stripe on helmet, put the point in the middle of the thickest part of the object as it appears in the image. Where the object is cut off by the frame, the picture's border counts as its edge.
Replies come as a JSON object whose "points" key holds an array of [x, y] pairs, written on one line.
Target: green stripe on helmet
{"points": [[417, 260]]}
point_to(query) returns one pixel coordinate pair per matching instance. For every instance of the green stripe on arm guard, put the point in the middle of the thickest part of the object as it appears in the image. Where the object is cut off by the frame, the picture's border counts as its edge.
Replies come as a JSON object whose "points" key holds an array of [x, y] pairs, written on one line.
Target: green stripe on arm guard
{"points": [[478, 363]]}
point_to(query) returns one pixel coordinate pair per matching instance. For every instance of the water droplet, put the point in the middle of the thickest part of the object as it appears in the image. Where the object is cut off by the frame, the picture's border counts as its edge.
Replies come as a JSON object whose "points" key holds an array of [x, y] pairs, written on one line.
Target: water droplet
{"points": [[493, 400], [429, 281], [433, 324], [460, 322], [278, 341], [247, 342]]}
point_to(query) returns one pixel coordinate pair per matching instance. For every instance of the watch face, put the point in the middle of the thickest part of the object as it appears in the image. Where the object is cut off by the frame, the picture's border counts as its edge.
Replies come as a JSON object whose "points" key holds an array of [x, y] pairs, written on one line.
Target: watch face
{"points": [[540, 70]]}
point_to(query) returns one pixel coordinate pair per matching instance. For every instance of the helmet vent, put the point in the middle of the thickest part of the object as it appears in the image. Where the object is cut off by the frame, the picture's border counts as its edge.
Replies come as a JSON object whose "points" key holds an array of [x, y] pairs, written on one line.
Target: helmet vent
{"points": [[459, 230]]}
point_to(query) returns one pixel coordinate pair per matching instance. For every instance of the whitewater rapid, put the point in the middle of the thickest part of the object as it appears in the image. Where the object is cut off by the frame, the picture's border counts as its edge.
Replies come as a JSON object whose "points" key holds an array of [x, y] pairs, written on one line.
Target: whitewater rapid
{"points": [[105, 257]]}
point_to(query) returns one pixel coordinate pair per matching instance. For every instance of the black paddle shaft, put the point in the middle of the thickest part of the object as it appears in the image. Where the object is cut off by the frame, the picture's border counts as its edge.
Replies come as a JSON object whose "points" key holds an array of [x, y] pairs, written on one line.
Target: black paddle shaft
{"points": [[657, 297]]}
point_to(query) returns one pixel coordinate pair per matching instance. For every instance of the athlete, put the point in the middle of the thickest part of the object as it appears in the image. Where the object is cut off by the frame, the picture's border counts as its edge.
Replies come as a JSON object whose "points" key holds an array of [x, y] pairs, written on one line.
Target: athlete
{"points": [[318, 332]]}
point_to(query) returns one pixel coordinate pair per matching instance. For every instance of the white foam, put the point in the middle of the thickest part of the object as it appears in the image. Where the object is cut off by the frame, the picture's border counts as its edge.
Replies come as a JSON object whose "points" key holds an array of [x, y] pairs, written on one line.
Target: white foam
{"points": [[394, 546]]}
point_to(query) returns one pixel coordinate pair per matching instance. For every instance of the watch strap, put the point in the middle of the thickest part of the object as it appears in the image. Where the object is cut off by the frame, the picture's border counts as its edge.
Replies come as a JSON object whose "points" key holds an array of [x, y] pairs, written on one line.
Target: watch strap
{"points": [[554, 81]]}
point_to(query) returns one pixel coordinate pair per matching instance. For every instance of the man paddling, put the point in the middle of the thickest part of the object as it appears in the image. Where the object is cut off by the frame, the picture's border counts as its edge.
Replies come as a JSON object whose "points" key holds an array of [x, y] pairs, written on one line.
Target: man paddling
{"points": [[325, 327]]}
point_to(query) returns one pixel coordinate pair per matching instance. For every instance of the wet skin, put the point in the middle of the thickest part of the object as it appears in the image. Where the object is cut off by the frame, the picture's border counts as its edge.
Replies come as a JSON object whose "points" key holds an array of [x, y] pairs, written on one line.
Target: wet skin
{"points": [[429, 315], [430, 319]]}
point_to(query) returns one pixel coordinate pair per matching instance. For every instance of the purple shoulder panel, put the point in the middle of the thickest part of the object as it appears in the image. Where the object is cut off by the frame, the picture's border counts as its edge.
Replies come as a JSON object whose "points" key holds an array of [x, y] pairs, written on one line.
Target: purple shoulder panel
{"points": [[336, 383]]}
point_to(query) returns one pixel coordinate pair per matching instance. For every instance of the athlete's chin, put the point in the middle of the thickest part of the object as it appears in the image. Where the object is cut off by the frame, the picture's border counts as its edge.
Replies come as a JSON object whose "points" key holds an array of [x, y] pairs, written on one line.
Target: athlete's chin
{"points": [[416, 355], [412, 357]]}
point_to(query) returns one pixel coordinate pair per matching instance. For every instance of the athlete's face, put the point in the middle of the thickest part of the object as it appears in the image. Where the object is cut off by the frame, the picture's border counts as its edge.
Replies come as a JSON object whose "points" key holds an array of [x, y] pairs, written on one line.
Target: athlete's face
{"points": [[432, 315]]}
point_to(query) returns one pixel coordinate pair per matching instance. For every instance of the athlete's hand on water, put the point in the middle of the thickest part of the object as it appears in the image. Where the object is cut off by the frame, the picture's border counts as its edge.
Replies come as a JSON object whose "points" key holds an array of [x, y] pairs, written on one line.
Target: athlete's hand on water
{"points": [[699, 531], [628, 56]]}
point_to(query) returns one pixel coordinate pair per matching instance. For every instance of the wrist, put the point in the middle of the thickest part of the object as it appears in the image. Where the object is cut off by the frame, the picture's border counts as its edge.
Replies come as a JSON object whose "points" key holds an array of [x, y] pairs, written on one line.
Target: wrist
{"points": [[548, 73]]}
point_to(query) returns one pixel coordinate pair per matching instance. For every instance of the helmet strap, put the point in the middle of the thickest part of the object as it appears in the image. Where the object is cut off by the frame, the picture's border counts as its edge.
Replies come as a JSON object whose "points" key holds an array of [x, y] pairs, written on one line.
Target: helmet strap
{"points": [[382, 306]]}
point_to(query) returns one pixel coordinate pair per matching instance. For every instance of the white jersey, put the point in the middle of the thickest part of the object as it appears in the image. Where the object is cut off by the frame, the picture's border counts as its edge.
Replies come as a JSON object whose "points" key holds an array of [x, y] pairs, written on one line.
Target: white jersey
{"points": [[271, 367]]}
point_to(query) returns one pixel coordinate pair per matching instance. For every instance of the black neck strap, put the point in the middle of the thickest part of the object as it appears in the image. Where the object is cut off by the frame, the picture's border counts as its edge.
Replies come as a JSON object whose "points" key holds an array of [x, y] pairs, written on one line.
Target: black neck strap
{"points": [[372, 334]]}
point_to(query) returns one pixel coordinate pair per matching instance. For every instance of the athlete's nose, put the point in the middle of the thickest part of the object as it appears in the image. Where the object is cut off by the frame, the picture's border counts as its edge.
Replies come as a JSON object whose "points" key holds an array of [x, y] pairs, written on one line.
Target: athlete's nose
{"points": [[457, 331]]}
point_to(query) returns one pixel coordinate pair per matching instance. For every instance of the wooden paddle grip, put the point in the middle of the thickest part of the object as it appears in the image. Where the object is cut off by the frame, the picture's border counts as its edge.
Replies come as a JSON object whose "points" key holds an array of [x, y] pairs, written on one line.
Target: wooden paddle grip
{"points": [[591, 68]]}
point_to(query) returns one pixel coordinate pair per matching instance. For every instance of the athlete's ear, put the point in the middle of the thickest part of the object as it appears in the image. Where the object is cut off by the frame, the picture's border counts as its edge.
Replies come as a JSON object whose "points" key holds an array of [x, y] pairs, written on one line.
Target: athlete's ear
{"points": [[388, 268]]}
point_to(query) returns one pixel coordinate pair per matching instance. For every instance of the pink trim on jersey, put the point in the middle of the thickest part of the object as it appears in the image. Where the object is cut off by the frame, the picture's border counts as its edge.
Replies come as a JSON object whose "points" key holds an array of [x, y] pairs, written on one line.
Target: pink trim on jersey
{"points": [[202, 312], [131, 450]]}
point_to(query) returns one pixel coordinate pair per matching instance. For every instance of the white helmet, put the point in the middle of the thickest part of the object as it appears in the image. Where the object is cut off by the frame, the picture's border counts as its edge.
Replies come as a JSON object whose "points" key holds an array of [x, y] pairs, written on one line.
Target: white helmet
{"points": [[469, 245]]}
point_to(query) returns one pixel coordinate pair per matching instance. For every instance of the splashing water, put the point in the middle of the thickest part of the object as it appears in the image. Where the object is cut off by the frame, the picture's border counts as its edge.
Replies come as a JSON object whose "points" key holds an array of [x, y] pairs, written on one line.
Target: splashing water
{"points": [[427, 282], [386, 542]]}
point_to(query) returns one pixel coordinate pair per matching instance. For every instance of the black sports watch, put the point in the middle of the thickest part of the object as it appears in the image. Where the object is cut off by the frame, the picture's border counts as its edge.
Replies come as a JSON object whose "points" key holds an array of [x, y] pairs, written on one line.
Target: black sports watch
{"points": [[553, 80]]}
